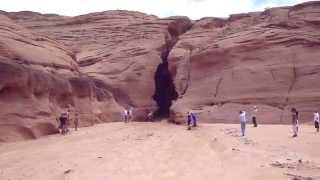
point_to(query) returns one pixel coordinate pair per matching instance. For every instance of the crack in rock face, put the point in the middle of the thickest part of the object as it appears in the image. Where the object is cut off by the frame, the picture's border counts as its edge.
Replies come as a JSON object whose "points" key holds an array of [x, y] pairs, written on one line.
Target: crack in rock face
{"points": [[165, 91]]}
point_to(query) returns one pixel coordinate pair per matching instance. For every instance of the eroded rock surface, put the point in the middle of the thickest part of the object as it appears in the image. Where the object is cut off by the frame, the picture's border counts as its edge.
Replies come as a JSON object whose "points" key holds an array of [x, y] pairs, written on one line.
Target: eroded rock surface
{"points": [[269, 59], [97, 63], [100, 63], [40, 78]]}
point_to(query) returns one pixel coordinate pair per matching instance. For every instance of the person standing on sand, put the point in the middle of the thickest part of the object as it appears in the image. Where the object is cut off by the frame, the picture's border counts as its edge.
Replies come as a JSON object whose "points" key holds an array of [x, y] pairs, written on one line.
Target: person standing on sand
{"points": [[243, 122], [125, 115], [191, 119], [194, 119], [63, 122], [76, 120], [316, 120], [295, 121], [149, 116], [130, 113], [254, 116], [68, 122]]}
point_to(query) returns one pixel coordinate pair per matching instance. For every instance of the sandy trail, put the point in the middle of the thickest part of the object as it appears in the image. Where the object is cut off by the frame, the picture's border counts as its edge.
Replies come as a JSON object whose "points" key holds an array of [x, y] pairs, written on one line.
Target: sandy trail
{"points": [[161, 151]]}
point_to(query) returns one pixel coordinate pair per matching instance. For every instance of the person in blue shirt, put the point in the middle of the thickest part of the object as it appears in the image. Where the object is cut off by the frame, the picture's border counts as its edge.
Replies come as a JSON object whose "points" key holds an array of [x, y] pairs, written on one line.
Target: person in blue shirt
{"points": [[191, 120]]}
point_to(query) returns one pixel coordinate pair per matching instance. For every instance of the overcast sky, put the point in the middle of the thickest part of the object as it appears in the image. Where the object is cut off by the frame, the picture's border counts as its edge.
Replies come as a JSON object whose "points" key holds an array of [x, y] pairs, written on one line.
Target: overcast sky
{"points": [[195, 9]]}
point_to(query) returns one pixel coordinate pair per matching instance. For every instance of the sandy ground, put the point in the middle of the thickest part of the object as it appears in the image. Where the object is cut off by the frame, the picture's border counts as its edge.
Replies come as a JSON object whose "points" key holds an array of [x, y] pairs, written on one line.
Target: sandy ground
{"points": [[158, 151]]}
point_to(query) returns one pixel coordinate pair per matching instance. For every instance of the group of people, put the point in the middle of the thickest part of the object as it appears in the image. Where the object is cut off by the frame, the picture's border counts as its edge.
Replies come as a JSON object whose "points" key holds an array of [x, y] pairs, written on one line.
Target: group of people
{"points": [[128, 114], [243, 119], [294, 116], [65, 120], [192, 120]]}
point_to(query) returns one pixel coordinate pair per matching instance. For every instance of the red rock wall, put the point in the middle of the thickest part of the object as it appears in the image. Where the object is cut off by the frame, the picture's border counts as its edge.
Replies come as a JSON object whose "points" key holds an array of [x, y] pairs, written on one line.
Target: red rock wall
{"points": [[39, 79], [269, 59], [96, 63], [101, 62]]}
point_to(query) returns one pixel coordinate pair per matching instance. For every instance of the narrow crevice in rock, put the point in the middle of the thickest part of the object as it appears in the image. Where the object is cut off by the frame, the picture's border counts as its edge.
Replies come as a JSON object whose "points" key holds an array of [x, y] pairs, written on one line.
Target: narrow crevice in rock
{"points": [[165, 90], [217, 87], [294, 71], [188, 67]]}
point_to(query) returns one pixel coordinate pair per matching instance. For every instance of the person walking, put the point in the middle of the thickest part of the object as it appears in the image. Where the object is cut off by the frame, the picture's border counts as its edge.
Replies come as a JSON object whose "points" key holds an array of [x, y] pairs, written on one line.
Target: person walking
{"points": [[243, 122], [295, 122], [316, 120], [254, 116]]}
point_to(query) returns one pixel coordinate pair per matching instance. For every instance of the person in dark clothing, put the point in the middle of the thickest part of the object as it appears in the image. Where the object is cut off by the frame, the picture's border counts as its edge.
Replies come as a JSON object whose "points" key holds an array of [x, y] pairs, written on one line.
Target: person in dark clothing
{"points": [[295, 122], [194, 119], [63, 123], [316, 120], [254, 116], [189, 120]]}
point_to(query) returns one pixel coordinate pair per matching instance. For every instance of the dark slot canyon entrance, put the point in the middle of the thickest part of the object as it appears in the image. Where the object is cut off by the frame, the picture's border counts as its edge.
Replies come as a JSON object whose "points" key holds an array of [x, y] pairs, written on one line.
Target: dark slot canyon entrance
{"points": [[165, 91]]}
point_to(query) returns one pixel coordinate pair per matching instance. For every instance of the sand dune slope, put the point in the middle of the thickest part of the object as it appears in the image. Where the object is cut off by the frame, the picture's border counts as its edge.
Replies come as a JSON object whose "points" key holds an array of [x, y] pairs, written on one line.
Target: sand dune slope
{"points": [[161, 151]]}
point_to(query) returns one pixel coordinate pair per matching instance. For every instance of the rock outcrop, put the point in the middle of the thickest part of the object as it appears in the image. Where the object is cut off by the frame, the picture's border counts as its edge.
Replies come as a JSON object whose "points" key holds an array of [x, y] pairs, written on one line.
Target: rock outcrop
{"points": [[100, 63], [40, 78], [97, 63], [269, 59], [121, 48]]}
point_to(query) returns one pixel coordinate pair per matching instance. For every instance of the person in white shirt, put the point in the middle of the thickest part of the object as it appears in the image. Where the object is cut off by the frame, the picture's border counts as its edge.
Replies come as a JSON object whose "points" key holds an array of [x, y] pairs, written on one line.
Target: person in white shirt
{"points": [[316, 120], [130, 113], [243, 122], [126, 115]]}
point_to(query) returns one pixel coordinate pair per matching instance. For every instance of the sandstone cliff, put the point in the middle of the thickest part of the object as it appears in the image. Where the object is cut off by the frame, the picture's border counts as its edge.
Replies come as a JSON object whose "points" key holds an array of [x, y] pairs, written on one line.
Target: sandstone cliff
{"points": [[269, 59], [101, 62], [97, 63]]}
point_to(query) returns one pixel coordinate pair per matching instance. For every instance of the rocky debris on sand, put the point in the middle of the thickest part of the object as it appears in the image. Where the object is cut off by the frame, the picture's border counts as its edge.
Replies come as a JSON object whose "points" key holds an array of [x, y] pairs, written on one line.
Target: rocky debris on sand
{"points": [[299, 177], [296, 165]]}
